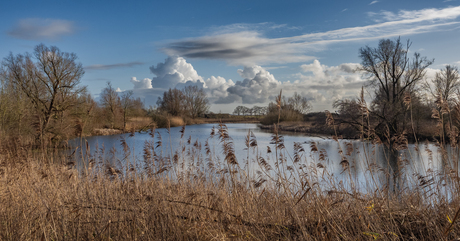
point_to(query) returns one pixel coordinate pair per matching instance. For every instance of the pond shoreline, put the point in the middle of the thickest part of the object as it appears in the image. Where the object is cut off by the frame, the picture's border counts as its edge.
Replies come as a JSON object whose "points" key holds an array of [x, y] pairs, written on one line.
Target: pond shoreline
{"points": [[300, 127], [344, 131], [307, 128], [199, 121]]}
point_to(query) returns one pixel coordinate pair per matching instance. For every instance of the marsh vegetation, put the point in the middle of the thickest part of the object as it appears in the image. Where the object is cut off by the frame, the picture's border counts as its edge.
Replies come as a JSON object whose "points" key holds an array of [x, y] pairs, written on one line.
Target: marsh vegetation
{"points": [[203, 191]]}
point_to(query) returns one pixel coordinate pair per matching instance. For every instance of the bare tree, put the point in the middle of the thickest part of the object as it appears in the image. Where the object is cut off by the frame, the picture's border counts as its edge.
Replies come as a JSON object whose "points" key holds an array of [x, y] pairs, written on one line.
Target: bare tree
{"points": [[83, 113], [196, 101], [444, 85], [246, 110], [49, 78], [443, 88], [263, 110], [126, 106], [393, 75], [299, 103], [239, 110], [13, 108], [250, 111], [172, 102], [111, 102], [138, 108], [258, 110]]}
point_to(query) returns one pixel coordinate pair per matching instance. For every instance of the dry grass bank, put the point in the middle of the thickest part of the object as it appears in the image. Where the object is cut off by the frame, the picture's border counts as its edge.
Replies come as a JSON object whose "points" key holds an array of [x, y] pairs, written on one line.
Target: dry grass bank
{"points": [[194, 197], [137, 123], [133, 123]]}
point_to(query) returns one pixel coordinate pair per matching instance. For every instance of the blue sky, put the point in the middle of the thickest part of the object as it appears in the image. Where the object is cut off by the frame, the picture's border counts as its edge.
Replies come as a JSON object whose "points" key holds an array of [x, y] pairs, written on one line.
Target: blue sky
{"points": [[241, 52]]}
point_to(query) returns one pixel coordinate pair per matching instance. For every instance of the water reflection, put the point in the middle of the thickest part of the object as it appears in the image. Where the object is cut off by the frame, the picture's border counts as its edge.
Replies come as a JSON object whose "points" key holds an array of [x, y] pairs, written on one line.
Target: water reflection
{"points": [[349, 163]]}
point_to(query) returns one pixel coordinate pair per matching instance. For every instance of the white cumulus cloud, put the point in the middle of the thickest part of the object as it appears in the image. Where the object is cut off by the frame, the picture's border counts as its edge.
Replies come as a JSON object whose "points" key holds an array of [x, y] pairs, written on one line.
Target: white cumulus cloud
{"points": [[173, 71], [321, 84], [146, 83], [257, 86], [333, 82]]}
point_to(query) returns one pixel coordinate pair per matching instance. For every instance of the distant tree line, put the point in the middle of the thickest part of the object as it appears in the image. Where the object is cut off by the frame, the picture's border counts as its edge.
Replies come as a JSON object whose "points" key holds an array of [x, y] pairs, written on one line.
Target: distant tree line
{"points": [[290, 109], [255, 110]]}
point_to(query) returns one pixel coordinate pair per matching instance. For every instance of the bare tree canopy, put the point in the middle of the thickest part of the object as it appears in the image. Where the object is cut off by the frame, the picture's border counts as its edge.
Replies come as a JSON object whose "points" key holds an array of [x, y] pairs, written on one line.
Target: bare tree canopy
{"points": [[110, 102], [393, 75], [190, 101], [259, 110], [49, 78], [299, 103], [445, 85], [127, 103], [172, 102], [239, 110], [196, 102]]}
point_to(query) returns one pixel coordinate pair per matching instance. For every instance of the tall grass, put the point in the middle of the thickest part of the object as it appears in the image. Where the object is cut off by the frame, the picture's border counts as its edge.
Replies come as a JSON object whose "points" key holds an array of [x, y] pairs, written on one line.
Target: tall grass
{"points": [[205, 193]]}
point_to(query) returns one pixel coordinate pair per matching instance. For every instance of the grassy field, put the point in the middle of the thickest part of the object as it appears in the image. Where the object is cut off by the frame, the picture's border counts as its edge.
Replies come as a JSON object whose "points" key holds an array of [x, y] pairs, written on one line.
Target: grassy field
{"points": [[182, 195]]}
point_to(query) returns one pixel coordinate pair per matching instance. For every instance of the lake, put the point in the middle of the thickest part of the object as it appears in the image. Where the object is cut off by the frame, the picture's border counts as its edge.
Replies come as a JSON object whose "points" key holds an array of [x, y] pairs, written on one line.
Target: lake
{"points": [[347, 163]]}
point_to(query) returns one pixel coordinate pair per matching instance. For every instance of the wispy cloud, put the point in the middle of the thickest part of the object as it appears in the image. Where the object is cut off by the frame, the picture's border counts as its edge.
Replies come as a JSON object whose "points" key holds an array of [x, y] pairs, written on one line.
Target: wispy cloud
{"points": [[39, 28], [275, 67], [344, 10], [112, 66], [248, 27], [250, 47], [373, 2], [430, 14]]}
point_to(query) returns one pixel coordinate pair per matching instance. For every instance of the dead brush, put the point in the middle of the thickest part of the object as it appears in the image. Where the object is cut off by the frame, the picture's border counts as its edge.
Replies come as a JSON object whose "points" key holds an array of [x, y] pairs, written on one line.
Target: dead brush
{"points": [[300, 200]]}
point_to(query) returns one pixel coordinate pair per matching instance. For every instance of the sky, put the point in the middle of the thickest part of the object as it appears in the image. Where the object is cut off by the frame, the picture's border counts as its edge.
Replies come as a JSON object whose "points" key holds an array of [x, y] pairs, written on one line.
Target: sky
{"points": [[241, 52]]}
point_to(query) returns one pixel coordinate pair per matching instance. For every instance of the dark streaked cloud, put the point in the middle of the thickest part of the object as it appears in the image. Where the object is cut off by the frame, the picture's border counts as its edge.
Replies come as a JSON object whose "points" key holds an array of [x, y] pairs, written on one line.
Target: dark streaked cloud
{"points": [[251, 47], [112, 66], [242, 48], [39, 29]]}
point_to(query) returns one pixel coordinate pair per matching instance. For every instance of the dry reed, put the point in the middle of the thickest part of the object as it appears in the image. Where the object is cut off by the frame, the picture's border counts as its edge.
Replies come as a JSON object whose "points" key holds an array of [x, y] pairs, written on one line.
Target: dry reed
{"points": [[188, 193]]}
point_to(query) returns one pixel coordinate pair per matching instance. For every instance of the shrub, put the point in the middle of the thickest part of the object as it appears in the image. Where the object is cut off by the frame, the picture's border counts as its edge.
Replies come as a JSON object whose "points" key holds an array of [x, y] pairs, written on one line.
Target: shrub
{"points": [[176, 121], [164, 120], [160, 119], [285, 115]]}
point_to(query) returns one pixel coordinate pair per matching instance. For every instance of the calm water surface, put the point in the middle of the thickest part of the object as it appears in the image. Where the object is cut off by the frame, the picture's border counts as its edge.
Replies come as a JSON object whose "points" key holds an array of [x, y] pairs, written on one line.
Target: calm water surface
{"points": [[368, 165]]}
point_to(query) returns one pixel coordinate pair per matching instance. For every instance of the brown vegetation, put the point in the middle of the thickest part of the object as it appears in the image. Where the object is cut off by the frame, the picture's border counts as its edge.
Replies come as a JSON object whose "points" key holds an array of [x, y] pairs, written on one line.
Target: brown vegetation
{"points": [[43, 104], [398, 105], [191, 102], [181, 196], [290, 110]]}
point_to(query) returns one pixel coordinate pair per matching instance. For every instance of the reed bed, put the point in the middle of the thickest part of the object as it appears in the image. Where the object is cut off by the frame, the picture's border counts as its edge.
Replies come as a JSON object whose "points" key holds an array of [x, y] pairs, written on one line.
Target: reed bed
{"points": [[200, 191]]}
